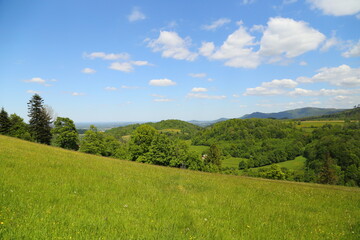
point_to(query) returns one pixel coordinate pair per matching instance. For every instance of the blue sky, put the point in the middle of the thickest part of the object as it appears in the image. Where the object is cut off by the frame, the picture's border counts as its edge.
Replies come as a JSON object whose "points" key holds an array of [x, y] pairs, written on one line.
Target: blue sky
{"points": [[155, 60]]}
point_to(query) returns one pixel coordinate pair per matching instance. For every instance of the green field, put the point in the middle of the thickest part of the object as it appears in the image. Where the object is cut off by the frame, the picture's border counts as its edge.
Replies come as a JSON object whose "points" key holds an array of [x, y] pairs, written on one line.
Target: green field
{"points": [[296, 164], [232, 162], [198, 149], [51, 193], [309, 126]]}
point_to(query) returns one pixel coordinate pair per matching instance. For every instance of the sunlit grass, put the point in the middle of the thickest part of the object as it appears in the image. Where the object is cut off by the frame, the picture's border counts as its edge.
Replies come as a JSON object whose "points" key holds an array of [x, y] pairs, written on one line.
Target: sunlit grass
{"points": [[50, 193]]}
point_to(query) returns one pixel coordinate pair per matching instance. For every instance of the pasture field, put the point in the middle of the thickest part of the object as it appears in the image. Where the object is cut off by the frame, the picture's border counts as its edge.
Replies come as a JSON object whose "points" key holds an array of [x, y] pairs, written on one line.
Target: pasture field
{"points": [[51, 193], [309, 126], [232, 162], [198, 149], [297, 164]]}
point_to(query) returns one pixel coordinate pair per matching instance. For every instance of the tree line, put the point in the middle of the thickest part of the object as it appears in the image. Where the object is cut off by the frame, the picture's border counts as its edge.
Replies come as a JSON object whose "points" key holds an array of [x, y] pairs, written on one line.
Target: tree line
{"points": [[332, 152]]}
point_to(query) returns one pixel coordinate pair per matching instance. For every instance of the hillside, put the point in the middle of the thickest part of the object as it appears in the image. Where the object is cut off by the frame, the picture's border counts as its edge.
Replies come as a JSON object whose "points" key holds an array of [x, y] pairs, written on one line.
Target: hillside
{"points": [[295, 113], [48, 192], [350, 114], [179, 128]]}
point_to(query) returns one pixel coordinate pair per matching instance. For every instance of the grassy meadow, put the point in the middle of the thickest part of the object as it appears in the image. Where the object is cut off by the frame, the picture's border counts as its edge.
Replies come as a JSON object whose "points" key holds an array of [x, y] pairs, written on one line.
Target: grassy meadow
{"points": [[51, 193]]}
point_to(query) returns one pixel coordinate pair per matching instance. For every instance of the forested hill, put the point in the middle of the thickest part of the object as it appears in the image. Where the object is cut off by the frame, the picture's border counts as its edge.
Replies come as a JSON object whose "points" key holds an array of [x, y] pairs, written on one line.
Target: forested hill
{"points": [[295, 113], [351, 114], [179, 128]]}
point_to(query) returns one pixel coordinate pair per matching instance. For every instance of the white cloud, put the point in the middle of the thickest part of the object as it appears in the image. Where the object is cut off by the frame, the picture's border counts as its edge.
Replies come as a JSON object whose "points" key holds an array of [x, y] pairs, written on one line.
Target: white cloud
{"points": [[141, 63], [172, 46], [343, 75], [303, 63], [197, 75], [330, 42], [162, 82], [136, 15], [322, 92], [77, 94], [205, 96], [106, 56], [40, 81], [262, 91], [283, 83], [289, 37], [257, 28], [88, 71], [207, 49], [216, 24], [33, 92], [236, 50], [110, 88], [336, 7], [123, 67], [36, 80], [199, 89], [354, 51], [163, 100]]}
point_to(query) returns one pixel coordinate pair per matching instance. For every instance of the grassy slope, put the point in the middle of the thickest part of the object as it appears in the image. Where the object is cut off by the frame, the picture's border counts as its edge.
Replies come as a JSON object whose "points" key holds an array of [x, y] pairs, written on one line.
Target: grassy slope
{"points": [[53, 193]]}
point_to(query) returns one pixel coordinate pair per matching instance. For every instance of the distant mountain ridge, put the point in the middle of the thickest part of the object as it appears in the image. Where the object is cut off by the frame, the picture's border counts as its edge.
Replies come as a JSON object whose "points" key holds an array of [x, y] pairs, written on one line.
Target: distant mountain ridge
{"points": [[295, 113]]}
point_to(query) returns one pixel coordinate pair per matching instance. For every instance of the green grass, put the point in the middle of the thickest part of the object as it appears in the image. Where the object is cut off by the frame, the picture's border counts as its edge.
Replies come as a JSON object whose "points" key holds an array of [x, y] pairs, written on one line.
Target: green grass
{"points": [[297, 164], [309, 126], [50, 193], [232, 162], [198, 149]]}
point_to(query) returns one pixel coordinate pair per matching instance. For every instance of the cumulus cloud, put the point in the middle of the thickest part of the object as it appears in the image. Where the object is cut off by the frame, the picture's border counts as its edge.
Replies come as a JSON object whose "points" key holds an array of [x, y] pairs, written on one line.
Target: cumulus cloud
{"points": [[88, 71], [141, 63], [162, 82], [236, 50], [205, 96], [336, 7], [285, 36], [333, 41], [77, 94], [263, 91], [171, 45], [110, 88], [122, 66], [106, 56], [40, 81], [322, 92], [207, 49], [33, 92], [199, 89], [36, 80], [136, 15], [216, 24], [343, 75], [197, 75], [354, 51], [283, 83]]}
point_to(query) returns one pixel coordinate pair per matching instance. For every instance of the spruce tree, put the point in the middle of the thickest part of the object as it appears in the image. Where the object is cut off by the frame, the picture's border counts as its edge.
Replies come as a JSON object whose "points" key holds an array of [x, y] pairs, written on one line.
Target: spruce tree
{"points": [[40, 120], [5, 123]]}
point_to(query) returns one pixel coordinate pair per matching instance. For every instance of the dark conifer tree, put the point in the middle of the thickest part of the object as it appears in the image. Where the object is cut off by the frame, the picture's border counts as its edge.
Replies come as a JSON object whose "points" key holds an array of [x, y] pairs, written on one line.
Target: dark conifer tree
{"points": [[5, 123], [40, 120]]}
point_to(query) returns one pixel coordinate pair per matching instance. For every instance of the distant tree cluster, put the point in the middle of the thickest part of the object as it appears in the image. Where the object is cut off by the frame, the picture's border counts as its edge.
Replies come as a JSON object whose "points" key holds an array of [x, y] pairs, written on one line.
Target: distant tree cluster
{"points": [[332, 152], [261, 141], [333, 156]]}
